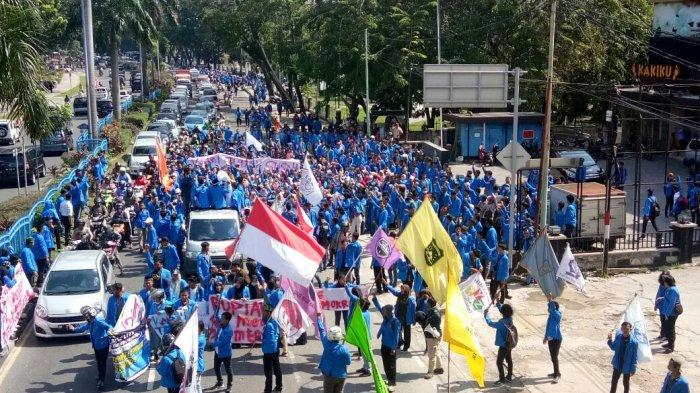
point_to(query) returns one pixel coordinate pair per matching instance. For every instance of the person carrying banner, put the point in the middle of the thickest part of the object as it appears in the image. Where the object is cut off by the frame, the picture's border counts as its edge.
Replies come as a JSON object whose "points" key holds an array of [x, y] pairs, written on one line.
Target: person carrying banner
{"points": [[624, 360], [502, 327], [389, 332], [223, 352], [172, 367], [201, 344], [100, 332], [335, 358], [271, 351], [116, 303], [430, 322], [674, 381], [552, 335]]}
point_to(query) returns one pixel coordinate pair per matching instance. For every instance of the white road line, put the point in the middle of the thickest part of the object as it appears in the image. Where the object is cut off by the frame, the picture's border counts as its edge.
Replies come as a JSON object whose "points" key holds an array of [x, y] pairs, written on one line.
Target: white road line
{"points": [[12, 357], [291, 357], [151, 378]]}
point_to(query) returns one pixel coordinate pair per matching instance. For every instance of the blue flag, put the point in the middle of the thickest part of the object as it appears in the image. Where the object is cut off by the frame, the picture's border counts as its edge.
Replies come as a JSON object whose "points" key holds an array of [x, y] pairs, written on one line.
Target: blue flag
{"points": [[542, 264]]}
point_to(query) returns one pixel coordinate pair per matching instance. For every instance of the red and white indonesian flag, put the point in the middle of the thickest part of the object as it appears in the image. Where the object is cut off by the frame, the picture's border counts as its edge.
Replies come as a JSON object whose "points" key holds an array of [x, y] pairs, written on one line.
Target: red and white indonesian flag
{"points": [[304, 222], [280, 245]]}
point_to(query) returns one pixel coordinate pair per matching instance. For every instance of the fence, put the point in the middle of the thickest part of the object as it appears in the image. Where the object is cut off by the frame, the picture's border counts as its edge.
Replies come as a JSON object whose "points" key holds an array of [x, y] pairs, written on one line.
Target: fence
{"points": [[22, 228], [628, 242], [85, 142]]}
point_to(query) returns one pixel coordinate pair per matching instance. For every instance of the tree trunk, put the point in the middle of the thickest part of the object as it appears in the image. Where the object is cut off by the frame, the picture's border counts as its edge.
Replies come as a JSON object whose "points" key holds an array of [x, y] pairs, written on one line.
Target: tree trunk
{"points": [[145, 91], [116, 105], [300, 98], [257, 52]]}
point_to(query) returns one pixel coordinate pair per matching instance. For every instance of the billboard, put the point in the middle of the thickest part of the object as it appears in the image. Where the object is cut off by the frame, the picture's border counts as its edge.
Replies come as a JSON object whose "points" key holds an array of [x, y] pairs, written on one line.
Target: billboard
{"points": [[465, 85], [681, 18]]}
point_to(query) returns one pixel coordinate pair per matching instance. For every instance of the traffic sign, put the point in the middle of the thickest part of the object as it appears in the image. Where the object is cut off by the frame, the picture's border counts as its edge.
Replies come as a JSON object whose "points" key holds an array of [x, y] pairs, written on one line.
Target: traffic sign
{"points": [[516, 149]]}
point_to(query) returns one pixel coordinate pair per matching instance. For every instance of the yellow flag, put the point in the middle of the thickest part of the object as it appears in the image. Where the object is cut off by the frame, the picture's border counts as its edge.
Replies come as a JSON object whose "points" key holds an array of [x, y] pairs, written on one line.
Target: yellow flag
{"points": [[429, 248], [460, 335]]}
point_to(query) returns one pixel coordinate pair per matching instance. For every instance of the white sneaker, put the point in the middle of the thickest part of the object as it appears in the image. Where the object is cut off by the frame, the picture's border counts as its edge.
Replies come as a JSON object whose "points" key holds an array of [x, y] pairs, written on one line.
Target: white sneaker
{"points": [[428, 375]]}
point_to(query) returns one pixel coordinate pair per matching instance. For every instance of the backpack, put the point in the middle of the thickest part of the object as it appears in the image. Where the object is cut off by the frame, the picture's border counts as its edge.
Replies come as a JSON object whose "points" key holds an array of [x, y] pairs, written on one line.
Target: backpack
{"points": [[179, 370], [655, 209], [683, 202], [511, 336]]}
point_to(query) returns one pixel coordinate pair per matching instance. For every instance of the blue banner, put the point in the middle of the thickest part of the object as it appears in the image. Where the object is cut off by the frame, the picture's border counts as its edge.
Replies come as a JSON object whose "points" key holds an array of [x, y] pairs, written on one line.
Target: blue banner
{"points": [[131, 346]]}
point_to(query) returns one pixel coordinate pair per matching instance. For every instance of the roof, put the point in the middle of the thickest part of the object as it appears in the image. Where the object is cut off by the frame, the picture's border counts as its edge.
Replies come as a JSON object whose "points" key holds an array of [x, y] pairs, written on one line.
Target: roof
{"points": [[214, 213], [77, 260], [491, 117], [145, 141], [589, 189]]}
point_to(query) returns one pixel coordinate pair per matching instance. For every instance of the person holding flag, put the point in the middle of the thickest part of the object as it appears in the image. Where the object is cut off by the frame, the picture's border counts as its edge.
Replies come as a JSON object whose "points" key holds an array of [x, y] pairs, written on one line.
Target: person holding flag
{"points": [[624, 361], [552, 335], [335, 358], [389, 332], [405, 310], [502, 342]]}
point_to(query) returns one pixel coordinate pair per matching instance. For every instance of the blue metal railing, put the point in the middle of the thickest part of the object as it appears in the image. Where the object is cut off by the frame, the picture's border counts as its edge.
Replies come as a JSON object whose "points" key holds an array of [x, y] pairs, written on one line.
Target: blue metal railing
{"points": [[84, 142], [22, 228]]}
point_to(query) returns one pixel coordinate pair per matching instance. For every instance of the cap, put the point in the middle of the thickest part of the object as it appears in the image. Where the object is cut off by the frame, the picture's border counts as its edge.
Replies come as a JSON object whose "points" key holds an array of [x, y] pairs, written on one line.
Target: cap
{"points": [[335, 334], [149, 220]]}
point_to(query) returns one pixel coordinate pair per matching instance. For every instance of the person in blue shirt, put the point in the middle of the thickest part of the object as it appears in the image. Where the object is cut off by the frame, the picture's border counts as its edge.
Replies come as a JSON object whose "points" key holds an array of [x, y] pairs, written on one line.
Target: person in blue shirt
{"points": [[668, 308], [184, 303], [502, 327], [200, 194], [352, 256], [389, 332], [560, 214], [151, 235], [671, 181], [270, 349], [405, 311], [28, 262], [500, 273], [145, 292], [552, 335], [170, 256], [624, 361], [166, 367], [201, 345], [660, 294], [289, 215], [649, 213], [239, 289], [223, 352], [675, 382], [100, 332], [570, 216], [41, 254], [116, 303], [204, 264], [335, 358]]}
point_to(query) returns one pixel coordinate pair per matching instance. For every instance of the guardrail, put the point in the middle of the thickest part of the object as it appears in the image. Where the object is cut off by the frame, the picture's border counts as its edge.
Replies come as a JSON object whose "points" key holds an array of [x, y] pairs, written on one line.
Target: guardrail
{"points": [[22, 228], [84, 141]]}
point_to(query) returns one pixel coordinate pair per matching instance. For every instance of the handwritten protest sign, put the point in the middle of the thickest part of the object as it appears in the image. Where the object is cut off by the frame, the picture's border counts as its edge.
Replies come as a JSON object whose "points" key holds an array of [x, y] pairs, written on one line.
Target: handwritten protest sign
{"points": [[333, 299], [247, 321]]}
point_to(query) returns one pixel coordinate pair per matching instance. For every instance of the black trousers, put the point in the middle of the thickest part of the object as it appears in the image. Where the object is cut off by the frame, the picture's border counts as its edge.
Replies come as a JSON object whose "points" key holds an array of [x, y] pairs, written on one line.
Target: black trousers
{"points": [[227, 367], [504, 355], [405, 337], [668, 329], [389, 362], [653, 224], [101, 358], [493, 288], [67, 229], [616, 378], [669, 205], [344, 313], [378, 276], [271, 364], [57, 230], [554, 346]]}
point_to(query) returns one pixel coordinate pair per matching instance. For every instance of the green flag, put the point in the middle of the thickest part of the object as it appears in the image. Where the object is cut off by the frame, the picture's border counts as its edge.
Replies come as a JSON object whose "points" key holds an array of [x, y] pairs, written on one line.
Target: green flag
{"points": [[358, 335]]}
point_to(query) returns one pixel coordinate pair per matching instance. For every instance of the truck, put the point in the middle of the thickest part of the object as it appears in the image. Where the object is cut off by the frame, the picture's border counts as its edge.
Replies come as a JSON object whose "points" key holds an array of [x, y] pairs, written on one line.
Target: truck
{"points": [[591, 214]]}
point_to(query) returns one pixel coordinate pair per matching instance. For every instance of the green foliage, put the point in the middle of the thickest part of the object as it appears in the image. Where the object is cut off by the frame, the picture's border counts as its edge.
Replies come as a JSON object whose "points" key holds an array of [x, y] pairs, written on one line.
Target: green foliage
{"points": [[114, 139], [138, 119], [60, 116]]}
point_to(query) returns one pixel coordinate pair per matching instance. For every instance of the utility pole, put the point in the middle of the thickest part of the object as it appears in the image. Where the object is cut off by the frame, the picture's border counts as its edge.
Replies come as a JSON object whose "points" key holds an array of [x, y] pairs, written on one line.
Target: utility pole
{"points": [[409, 104], [439, 59], [367, 113], [513, 169], [89, 50], [544, 161], [611, 119]]}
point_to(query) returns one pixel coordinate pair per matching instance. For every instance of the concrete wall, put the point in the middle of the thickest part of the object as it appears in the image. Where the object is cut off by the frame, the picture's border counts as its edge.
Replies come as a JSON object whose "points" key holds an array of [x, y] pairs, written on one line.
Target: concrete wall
{"points": [[628, 258]]}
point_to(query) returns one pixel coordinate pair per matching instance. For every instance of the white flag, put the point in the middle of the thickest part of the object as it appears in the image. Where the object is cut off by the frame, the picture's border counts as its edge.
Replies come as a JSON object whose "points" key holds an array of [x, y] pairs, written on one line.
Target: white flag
{"points": [[291, 318], [309, 185], [569, 271], [635, 316], [476, 294], [251, 140], [188, 342]]}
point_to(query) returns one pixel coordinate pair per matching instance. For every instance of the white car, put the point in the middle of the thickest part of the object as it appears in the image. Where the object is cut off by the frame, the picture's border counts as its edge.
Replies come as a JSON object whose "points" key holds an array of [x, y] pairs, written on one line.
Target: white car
{"points": [[10, 131], [124, 95], [76, 279], [217, 227], [143, 148], [102, 93]]}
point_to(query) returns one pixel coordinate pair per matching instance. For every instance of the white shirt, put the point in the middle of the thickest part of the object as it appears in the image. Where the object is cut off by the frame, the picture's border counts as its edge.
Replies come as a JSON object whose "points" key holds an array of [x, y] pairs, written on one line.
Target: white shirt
{"points": [[66, 208]]}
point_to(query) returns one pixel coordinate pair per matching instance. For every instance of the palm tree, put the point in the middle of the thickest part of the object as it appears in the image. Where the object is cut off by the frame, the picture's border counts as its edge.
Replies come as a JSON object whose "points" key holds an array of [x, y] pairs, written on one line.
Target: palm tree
{"points": [[114, 19], [161, 12], [21, 66]]}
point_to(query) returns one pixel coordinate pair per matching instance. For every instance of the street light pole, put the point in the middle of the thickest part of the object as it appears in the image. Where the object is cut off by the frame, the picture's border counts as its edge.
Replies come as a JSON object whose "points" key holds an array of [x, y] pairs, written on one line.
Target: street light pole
{"points": [[611, 119], [439, 59], [368, 121], [544, 161], [89, 50], [513, 169]]}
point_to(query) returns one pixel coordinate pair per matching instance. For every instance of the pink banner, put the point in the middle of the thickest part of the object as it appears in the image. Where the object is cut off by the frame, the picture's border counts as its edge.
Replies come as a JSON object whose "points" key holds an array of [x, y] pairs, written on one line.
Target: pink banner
{"points": [[304, 296], [247, 321], [12, 302], [259, 164]]}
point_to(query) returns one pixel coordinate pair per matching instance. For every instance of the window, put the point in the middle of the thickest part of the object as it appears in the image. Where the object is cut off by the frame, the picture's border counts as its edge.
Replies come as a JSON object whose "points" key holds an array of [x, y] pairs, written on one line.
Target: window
{"points": [[213, 229], [72, 282], [143, 150]]}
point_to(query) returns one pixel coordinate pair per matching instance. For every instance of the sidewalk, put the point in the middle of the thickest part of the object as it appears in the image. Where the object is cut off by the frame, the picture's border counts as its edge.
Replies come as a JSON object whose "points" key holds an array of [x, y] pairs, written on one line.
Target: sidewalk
{"points": [[68, 83]]}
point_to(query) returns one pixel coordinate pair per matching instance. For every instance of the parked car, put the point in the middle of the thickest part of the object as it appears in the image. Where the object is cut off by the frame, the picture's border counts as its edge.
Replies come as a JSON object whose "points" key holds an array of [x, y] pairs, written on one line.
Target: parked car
{"points": [[124, 95], [10, 131], [104, 107], [167, 115], [142, 149], [80, 106], [30, 162], [593, 171], [102, 93], [207, 107], [59, 142], [218, 227], [75, 279]]}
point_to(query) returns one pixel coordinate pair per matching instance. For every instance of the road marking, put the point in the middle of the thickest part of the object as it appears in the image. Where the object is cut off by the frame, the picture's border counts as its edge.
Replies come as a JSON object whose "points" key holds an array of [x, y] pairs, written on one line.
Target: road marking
{"points": [[12, 357], [151, 378], [291, 357]]}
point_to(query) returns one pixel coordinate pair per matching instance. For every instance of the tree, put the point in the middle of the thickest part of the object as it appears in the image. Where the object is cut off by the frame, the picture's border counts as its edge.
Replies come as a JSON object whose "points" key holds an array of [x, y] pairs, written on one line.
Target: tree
{"points": [[21, 65]]}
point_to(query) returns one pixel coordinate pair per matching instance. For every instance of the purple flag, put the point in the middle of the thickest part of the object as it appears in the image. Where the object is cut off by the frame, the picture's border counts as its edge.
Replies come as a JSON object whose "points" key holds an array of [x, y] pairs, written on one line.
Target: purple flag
{"points": [[383, 249], [305, 296]]}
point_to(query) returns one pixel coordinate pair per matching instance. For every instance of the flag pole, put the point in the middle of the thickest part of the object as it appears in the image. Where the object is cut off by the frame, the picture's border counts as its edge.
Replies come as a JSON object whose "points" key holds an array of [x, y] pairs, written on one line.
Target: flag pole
{"points": [[449, 360]]}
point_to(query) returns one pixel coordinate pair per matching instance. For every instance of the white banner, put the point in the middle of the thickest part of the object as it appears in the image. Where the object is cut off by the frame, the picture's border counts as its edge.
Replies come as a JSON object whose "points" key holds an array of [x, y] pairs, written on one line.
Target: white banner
{"points": [[309, 186], [570, 272], [476, 294], [291, 318], [188, 342], [635, 316]]}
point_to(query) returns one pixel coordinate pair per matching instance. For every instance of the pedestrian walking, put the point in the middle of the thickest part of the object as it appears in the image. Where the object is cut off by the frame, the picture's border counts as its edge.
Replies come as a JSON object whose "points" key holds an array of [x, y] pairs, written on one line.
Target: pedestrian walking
{"points": [[172, 367], [670, 308], [674, 381], [389, 332], [271, 351], [552, 335], [624, 361], [335, 358], [430, 322], [503, 327], [650, 212], [660, 294], [100, 332], [223, 352]]}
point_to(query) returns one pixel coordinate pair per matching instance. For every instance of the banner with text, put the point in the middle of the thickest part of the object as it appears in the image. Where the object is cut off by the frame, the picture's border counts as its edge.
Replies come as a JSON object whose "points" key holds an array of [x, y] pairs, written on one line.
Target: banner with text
{"points": [[12, 303], [247, 321], [130, 347]]}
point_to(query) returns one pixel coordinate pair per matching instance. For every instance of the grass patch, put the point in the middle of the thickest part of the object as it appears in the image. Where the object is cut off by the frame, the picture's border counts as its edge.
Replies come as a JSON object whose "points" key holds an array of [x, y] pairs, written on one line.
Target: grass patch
{"points": [[73, 91], [16, 207]]}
